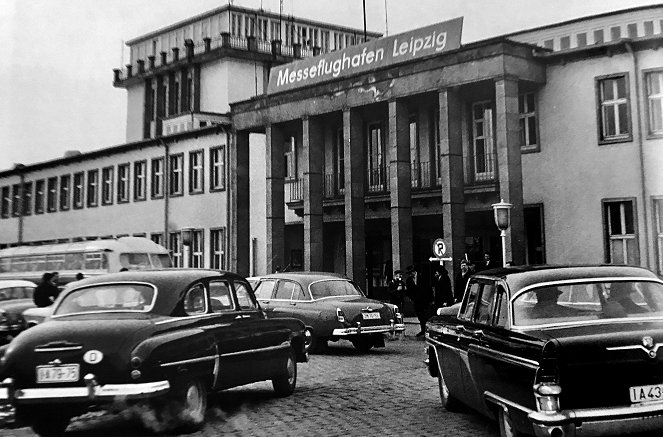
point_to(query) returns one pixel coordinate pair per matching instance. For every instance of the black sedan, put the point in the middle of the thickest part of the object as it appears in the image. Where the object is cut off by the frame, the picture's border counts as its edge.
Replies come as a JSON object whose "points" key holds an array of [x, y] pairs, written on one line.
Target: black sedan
{"points": [[156, 339], [331, 306], [555, 351]]}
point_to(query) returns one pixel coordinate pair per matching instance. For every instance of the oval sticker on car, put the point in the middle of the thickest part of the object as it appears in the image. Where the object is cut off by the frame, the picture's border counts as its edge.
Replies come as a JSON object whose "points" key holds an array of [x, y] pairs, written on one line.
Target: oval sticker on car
{"points": [[93, 357]]}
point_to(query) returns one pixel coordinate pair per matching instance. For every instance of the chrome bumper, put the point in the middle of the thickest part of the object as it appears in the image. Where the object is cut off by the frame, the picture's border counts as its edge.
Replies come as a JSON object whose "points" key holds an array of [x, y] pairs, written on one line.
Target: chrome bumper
{"points": [[92, 392], [599, 421], [357, 330]]}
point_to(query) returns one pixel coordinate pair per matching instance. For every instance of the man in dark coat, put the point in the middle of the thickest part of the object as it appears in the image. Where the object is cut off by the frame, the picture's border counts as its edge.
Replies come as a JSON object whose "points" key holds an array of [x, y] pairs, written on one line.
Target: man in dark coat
{"points": [[442, 287], [397, 290], [46, 291], [420, 297]]}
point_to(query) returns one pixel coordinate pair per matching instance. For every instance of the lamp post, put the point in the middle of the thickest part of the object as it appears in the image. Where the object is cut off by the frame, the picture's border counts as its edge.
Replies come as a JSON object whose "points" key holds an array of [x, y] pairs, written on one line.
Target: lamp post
{"points": [[502, 212], [187, 235]]}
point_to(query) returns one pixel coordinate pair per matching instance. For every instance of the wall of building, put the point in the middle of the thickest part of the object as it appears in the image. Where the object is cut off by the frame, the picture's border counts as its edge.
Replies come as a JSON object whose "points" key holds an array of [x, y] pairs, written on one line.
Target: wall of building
{"points": [[135, 112], [214, 86], [245, 80], [257, 202]]}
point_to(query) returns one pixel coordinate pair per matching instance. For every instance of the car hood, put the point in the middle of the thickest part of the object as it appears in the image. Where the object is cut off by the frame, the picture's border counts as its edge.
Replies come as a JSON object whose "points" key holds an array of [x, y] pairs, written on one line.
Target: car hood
{"points": [[67, 340]]}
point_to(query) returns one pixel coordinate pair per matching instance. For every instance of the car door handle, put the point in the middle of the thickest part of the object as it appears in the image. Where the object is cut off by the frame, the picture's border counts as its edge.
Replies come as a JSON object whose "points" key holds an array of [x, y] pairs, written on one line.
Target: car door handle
{"points": [[293, 303], [264, 302], [242, 316], [478, 334], [460, 329]]}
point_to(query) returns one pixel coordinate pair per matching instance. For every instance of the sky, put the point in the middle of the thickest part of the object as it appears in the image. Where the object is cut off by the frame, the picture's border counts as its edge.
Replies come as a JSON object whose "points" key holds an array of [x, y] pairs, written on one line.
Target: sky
{"points": [[56, 74]]}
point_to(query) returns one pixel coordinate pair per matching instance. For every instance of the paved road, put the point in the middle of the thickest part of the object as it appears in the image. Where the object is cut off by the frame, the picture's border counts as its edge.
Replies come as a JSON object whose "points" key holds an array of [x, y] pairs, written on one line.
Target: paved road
{"points": [[339, 393]]}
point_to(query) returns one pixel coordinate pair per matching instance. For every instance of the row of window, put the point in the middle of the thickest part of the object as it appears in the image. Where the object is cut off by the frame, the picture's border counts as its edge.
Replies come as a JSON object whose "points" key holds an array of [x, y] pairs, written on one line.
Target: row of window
{"points": [[93, 187], [598, 35], [196, 253]]}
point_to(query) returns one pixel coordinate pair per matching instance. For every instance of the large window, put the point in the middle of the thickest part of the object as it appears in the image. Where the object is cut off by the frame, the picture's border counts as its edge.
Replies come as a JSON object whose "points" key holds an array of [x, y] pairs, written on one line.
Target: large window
{"points": [[157, 177], [16, 199], [654, 82], [339, 163], [92, 188], [122, 183], [196, 174], [290, 161], [157, 237], [176, 174], [175, 245], [218, 168], [27, 198], [620, 232], [415, 167], [436, 153], [614, 111], [376, 158], [527, 116], [65, 192], [140, 179], [79, 181], [6, 202], [197, 249], [40, 194], [658, 232], [218, 248], [107, 186], [483, 146], [52, 195]]}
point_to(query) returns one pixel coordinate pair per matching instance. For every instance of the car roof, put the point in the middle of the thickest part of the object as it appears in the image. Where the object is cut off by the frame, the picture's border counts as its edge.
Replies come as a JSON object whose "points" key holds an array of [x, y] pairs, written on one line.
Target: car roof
{"points": [[518, 277], [7, 283], [303, 277]]}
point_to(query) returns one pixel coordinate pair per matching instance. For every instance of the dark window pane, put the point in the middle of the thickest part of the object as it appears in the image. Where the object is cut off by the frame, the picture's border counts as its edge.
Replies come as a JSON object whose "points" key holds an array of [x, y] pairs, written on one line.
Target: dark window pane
{"points": [[531, 122], [623, 119], [628, 214], [621, 87]]}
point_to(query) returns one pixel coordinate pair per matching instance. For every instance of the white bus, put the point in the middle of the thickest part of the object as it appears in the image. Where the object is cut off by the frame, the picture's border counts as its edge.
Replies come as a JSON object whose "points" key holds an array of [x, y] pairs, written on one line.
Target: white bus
{"points": [[91, 258]]}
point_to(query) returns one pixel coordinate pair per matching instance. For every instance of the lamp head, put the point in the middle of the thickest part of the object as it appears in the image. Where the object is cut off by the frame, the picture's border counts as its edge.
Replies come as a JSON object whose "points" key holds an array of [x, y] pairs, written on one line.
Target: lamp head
{"points": [[502, 212]]}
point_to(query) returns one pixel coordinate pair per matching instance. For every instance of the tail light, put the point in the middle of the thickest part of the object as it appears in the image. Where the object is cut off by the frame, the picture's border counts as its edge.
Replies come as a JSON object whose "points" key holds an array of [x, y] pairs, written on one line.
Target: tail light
{"points": [[340, 315], [546, 388], [547, 397]]}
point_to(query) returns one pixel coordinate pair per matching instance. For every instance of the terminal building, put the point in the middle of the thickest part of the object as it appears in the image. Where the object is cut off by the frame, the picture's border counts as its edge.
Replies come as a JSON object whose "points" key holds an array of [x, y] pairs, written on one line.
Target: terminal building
{"points": [[358, 155]]}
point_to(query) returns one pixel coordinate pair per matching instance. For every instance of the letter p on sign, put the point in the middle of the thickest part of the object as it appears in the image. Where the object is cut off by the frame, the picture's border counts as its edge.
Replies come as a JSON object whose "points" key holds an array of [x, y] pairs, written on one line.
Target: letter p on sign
{"points": [[439, 248]]}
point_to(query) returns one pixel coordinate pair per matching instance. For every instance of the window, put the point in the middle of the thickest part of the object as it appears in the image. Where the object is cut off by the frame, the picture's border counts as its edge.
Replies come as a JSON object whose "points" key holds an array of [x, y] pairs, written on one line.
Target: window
{"points": [[649, 28], [16, 199], [78, 189], [620, 235], [632, 30], [339, 162], [218, 168], [157, 178], [92, 188], [65, 192], [565, 43], [122, 183], [197, 258], [244, 297], [40, 187], [27, 198], [615, 33], [470, 301], [175, 244], [265, 289], [654, 81], [614, 111], [157, 237], [107, 186], [658, 232], [218, 248], [140, 178], [415, 169], [486, 305], [196, 172], [598, 36], [6, 202], [52, 195], [290, 158], [195, 301], [220, 296], [434, 135], [483, 149], [376, 158], [176, 175], [581, 39], [527, 116]]}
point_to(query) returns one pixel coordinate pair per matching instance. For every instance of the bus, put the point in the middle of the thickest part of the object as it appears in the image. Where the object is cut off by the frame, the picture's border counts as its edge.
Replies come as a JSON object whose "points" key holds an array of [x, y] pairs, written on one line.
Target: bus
{"points": [[91, 258]]}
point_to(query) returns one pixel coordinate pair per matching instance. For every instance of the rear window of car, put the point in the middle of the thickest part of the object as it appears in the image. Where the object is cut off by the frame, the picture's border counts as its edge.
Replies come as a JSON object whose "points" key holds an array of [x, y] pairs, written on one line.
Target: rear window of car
{"points": [[322, 289], [571, 302], [107, 298], [16, 293]]}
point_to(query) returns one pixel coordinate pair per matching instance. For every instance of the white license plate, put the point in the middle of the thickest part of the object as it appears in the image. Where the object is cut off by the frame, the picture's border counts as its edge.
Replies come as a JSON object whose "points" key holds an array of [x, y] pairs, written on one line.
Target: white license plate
{"points": [[63, 373], [644, 393], [370, 316]]}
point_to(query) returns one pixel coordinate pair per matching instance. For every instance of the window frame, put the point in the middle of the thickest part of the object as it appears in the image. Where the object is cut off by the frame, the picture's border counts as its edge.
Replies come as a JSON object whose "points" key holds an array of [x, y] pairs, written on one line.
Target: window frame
{"points": [[27, 198], [290, 158], [197, 172], [5, 202], [52, 194], [157, 178], [40, 195], [489, 174], [175, 239], [609, 237], [16, 200], [217, 168], [140, 180], [218, 251], [657, 217], [523, 118], [65, 192], [176, 175], [78, 190], [107, 185], [617, 138], [123, 182], [651, 133], [92, 192], [197, 249]]}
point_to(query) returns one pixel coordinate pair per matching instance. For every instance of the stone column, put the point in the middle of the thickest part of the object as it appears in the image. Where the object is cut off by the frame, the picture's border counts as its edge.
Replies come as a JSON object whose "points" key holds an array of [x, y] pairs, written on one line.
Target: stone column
{"points": [[355, 244], [313, 156], [400, 186], [275, 214], [509, 164], [453, 196], [238, 228]]}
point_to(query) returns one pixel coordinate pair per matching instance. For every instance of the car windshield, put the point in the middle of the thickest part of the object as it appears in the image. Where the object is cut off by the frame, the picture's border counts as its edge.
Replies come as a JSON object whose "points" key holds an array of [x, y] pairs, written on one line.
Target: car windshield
{"points": [[588, 301], [10, 293], [107, 297], [333, 288]]}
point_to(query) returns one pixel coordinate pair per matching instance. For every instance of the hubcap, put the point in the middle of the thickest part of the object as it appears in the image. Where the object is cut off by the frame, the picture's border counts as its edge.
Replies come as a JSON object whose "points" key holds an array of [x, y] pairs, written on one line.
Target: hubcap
{"points": [[291, 371], [194, 404]]}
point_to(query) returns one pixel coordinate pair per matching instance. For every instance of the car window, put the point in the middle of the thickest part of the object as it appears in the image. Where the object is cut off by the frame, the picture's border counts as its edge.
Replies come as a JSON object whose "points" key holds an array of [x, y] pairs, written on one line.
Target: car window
{"points": [[194, 300], [265, 289], [284, 290], [502, 305], [322, 289], [485, 304], [107, 297], [470, 301], [299, 293], [220, 297], [16, 293], [244, 297]]}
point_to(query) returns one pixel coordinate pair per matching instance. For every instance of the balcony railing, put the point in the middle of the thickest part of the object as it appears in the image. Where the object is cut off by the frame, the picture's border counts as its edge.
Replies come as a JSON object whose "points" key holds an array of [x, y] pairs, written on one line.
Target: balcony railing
{"points": [[424, 176], [377, 180], [334, 186], [294, 190]]}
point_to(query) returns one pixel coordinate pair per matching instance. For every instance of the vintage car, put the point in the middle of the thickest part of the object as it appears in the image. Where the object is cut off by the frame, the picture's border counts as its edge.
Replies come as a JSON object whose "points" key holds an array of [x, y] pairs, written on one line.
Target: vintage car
{"points": [[15, 297], [331, 306], [147, 339], [555, 351]]}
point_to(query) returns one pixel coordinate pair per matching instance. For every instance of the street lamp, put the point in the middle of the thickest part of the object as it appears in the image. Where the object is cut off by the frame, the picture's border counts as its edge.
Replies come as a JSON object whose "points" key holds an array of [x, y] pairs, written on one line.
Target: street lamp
{"points": [[187, 236], [502, 212]]}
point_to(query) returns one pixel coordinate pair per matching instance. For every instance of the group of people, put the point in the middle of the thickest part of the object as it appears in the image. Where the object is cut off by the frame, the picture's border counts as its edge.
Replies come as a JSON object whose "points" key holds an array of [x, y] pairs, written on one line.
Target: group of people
{"points": [[427, 300], [48, 290]]}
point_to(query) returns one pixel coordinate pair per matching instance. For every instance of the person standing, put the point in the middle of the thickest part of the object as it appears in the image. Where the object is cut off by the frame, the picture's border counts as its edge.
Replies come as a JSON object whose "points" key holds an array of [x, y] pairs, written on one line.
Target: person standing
{"points": [[487, 263], [420, 297], [442, 288], [461, 280], [397, 290], [46, 291]]}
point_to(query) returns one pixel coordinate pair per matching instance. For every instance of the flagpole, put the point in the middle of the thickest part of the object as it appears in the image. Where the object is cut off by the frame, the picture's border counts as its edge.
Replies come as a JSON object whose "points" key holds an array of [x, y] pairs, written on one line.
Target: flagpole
{"points": [[364, 1], [386, 19]]}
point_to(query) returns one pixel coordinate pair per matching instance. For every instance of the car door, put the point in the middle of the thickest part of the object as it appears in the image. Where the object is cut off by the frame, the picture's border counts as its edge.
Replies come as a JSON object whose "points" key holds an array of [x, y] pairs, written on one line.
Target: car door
{"points": [[282, 298], [264, 291]]}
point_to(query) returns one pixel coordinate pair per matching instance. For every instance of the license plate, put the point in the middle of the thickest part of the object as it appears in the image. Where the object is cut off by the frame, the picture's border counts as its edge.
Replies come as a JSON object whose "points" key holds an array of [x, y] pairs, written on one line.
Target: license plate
{"points": [[644, 393], [63, 373], [370, 316]]}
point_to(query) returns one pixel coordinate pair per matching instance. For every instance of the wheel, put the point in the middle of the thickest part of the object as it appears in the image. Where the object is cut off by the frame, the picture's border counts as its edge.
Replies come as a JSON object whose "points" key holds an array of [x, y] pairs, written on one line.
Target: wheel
{"points": [[183, 410], [49, 422], [284, 384], [363, 343], [507, 429], [449, 402]]}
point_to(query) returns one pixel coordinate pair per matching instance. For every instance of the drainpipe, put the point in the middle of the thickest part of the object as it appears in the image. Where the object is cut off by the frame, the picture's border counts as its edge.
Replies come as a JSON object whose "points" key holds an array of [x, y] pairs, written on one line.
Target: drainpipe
{"points": [[643, 176], [166, 185], [21, 192], [229, 195]]}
